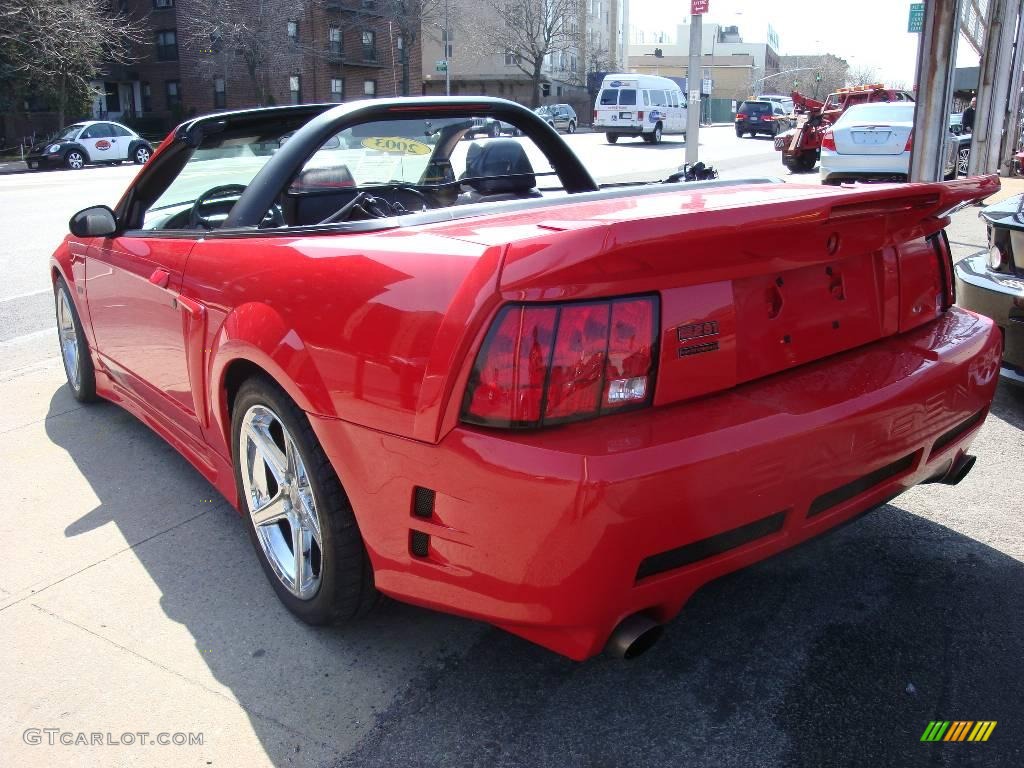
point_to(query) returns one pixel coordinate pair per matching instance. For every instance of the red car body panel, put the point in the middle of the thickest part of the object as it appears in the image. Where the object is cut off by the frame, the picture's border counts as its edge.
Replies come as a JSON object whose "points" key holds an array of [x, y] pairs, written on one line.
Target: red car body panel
{"points": [[542, 532]]}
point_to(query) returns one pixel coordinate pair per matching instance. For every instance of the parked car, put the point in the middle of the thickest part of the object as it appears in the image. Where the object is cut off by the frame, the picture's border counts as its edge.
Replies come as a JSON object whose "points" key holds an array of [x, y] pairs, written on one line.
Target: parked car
{"points": [[484, 126], [759, 116], [992, 283], [958, 155], [869, 142], [956, 123], [561, 117], [91, 141], [786, 102], [647, 106], [471, 379]]}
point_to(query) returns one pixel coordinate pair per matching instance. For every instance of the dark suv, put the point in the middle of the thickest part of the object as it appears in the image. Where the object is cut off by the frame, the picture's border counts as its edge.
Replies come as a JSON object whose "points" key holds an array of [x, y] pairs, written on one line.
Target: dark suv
{"points": [[756, 117], [561, 117]]}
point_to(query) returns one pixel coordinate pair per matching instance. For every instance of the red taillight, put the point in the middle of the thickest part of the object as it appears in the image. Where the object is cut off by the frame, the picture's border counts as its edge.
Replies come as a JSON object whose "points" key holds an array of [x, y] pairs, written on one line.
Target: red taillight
{"points": [[910, 142], [640, 115], [595, 114], [741, 116], [766, 118], [828, 141], [546, 364]]}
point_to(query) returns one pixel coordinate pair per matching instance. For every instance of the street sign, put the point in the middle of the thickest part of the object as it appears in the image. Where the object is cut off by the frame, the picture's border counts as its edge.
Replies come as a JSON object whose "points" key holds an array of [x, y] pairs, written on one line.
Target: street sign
{"points": [[707, 85], [695, 97], [698, 7], [916, 21], [442, 66]]}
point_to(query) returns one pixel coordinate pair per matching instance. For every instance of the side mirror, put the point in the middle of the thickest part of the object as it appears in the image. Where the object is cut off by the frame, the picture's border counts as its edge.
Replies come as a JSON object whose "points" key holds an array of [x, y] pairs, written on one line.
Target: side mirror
{"points": [[98, 221]]}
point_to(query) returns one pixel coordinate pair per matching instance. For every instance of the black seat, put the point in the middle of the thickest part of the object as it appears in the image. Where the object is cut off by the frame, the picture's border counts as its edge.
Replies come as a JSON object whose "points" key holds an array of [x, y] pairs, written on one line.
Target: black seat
{"points": [[497, 170]]}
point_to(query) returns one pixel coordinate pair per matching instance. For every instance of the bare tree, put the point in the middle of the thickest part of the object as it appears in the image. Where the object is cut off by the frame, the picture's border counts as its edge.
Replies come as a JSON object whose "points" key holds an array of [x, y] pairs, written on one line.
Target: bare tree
{"points": [[528, 32], [862, 75], [255, 33], [410, 18], [819, 75], [58, 47]]}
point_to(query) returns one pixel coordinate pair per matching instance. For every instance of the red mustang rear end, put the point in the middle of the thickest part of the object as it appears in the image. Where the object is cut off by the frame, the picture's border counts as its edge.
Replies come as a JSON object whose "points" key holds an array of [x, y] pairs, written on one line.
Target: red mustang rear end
{"points": [[558, 410]]}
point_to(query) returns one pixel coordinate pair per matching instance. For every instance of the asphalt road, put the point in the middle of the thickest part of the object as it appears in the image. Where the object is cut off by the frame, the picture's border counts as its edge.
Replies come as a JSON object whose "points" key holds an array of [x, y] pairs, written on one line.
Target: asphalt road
{"points": [[130, 598]]}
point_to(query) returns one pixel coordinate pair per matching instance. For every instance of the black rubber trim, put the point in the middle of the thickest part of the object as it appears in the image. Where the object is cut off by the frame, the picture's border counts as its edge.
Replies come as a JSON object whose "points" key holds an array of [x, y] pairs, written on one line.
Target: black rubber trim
{"points": [[960, 429], [688, 554], [846, 492]]}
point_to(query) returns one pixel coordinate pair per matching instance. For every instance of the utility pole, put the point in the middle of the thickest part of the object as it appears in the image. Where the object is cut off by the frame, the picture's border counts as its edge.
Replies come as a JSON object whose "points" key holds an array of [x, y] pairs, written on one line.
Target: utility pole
{"points": [[994, 78], [447, 47], [936, 54], [693, 84], [1013, 122], [624, 64]]}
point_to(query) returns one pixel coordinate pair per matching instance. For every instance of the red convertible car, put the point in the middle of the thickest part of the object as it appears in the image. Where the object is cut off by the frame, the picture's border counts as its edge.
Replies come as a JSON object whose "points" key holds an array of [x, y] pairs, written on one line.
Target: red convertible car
{"points": [[464, 375]]}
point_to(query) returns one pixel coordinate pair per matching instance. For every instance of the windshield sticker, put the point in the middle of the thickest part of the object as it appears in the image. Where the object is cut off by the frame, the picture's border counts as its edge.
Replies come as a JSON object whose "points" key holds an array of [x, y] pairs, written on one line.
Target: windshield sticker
{"points": [[396, 145]]}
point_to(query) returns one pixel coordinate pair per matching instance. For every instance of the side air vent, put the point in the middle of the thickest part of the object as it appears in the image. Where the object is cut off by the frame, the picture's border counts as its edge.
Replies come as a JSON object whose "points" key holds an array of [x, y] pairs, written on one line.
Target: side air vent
{"points": [[423, 502], [419, 543], [958, 431]]}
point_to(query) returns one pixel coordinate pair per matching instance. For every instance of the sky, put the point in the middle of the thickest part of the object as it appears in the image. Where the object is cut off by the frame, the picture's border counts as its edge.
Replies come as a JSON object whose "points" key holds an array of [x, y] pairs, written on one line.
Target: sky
{"points": [[873, 35]]}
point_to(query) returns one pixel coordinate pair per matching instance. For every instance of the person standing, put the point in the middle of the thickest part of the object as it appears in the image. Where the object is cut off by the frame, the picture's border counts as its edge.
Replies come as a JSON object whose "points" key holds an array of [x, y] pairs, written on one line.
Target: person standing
{"points": [[968, 121]]}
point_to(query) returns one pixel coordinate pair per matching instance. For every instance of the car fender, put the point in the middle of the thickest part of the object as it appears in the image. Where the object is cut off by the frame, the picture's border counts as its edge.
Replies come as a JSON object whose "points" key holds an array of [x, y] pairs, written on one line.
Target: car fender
{"points": [[136, 143], [76, 146], [258, 334], [68, 262]]}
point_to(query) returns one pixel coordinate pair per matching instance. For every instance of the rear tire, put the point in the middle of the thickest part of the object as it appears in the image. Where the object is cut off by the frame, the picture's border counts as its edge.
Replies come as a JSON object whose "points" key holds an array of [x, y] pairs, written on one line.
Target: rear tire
{"points": [[141, 155], [571, 128], [611, 137], [340, 582]]}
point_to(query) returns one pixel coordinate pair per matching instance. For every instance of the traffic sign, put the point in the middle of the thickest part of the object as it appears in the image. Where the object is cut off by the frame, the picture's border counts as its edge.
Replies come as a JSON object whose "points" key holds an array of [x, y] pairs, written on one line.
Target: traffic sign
{"points": [[442, 65], [916, 21], [698, 7]]}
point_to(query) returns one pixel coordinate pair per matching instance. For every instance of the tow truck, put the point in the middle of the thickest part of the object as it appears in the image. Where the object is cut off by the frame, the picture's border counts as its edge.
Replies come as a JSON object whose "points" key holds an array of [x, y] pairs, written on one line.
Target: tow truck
{"points": [[801, 146]]}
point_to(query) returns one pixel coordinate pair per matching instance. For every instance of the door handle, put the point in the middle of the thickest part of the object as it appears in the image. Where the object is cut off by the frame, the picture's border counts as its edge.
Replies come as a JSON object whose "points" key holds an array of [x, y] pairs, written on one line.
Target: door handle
{"points": [[160, 278]]}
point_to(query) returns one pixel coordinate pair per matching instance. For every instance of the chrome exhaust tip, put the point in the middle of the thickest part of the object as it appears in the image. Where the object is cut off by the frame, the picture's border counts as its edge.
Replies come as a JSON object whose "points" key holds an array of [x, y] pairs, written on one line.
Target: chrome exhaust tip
{"points": [[634, 636], [960, 469]]}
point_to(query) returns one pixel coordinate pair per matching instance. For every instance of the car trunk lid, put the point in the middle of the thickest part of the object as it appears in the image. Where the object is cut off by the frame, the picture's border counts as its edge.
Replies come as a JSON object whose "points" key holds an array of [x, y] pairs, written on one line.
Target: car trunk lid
{"points": [[872, 139], [752, 280]]}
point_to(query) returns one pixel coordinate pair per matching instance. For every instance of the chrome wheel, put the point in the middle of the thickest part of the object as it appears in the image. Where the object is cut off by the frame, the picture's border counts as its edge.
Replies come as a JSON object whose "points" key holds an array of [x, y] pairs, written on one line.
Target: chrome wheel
{"points": [[280, 501], [68, 340], [75, 161], [141, 156]]}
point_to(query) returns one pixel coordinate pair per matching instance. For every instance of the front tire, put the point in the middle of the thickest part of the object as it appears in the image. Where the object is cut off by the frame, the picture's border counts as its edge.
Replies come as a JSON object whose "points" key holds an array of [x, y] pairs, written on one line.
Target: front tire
{"points": [[571, 128], [656, 135], [74, 160], [299, 519], [74, 349]]}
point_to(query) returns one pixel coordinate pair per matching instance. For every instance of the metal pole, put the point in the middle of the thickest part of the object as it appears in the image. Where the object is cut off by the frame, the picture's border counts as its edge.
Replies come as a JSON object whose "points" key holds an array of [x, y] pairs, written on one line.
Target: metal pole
{"points": [[1013, 122], [625, 36], [936, 59], [993, 88], [693, 84], [447, 44]]}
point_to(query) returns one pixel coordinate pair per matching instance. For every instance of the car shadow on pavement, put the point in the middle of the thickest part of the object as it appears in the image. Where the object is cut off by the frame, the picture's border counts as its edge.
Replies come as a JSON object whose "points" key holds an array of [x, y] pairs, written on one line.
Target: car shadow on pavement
{"points": [[839, 652]]}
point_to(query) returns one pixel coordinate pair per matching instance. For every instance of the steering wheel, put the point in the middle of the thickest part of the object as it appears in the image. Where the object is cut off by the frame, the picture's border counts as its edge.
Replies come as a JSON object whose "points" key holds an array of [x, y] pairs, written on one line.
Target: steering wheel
{"points": [[195, 217], [411, 189]]}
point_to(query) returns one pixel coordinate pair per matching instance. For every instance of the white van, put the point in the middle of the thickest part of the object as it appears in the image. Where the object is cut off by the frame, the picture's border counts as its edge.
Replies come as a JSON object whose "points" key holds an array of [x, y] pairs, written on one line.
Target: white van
{"points": [[786, 102], [639, 105]]}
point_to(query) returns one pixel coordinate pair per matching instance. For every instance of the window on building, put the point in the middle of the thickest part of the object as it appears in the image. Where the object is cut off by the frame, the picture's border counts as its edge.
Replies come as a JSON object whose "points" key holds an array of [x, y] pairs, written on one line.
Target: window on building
{"points": [[370, 5], [369, 46], [572, 63], [166, 45], [173, 90], [400, 44], [147, 97], [337, 89], [219, 93], [370, 88], [511, 57], [293, 32], [158, 4], [334, 39], [545, 89], [295, 89]]}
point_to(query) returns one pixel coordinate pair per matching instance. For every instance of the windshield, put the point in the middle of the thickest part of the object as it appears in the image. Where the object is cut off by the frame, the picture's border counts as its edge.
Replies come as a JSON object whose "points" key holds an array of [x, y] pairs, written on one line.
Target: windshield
{"points": [[877, 113], [67, 134], [755, 107]]}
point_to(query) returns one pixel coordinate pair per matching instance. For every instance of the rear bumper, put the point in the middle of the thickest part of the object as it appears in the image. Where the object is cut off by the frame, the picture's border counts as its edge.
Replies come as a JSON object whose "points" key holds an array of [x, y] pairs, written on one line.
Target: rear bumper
{"points": [[557, 535], [844, 166], [1001, 298]]}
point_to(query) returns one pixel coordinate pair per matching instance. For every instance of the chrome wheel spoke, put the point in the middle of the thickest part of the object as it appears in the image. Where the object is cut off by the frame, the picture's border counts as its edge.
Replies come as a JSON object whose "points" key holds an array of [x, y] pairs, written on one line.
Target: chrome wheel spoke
{"points": [[280, 501]]}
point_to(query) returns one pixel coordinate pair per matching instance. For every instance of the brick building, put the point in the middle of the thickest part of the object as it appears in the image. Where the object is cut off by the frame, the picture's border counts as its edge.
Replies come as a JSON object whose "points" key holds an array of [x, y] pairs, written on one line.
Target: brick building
{"points": [[305, 51]]}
